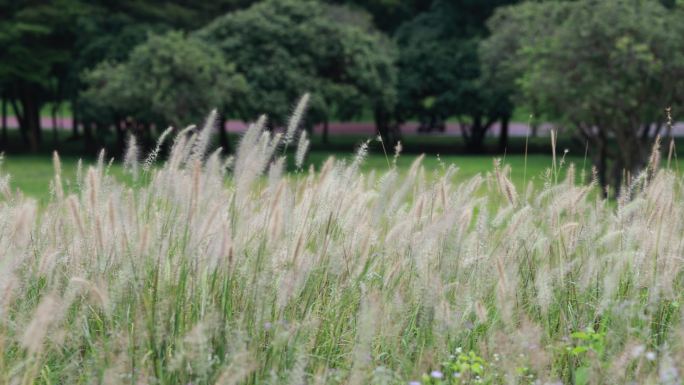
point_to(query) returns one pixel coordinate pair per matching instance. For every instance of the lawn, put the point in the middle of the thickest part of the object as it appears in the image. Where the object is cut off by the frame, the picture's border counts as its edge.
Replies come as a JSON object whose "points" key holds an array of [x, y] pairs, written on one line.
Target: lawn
{"points": [[32, 173]]}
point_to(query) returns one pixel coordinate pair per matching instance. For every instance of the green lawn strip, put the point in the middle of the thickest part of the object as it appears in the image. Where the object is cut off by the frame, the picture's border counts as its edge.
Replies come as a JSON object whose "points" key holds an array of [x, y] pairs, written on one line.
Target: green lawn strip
{"points": [[32, 173]]}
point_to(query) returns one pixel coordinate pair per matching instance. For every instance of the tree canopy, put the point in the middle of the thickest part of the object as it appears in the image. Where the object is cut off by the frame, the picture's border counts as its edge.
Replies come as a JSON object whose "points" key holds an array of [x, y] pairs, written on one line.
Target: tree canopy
{"points": [[604, 69], [37, 47], [287, 48], [169, 79], [46, 46], [440, 75]]}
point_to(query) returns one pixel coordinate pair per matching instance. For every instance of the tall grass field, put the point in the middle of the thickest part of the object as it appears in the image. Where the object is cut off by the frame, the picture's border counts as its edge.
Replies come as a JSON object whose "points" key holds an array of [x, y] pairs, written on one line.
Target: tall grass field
{"points": [[215, 270]]}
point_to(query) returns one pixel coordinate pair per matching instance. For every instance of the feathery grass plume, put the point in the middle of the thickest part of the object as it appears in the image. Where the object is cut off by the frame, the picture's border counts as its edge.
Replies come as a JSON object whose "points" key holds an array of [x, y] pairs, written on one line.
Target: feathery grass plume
{"points": [[296, 118], [5, 186], [228, 163], [554, 139], [152, 156], [241, 366], [99, 295], [360, 156], [247, 144], [367, 324], [186, 152], [275, 171], [654, 159], [75, 213], [4, 179], [101, 162], [670, 152], [204, 136], [302, 148], [79, 174], [505, 185], [49, 311], [397, 151], [180, 143], [59, 190], [131, 157]]}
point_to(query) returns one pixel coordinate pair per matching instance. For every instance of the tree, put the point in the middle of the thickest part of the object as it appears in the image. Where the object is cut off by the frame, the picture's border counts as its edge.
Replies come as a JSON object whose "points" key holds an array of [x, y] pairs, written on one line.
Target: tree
{"points": [[286, 48], [37, 41], [109, 30], [388, 15], [440, 74], [606, 69], [169, 79]]}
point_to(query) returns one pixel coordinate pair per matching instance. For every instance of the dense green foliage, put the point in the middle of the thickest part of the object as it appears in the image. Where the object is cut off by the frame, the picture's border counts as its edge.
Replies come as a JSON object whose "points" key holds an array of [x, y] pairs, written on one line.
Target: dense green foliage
{"points": [[330, 48], [606, 69], [440, 69], [176, 79], [287, 48], [35, 59]]}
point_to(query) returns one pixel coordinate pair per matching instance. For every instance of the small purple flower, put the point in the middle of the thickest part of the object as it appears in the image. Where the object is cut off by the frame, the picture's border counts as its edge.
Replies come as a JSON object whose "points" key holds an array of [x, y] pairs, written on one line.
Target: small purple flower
{"points": [[268, 326], [414, 382], [436, 374]]}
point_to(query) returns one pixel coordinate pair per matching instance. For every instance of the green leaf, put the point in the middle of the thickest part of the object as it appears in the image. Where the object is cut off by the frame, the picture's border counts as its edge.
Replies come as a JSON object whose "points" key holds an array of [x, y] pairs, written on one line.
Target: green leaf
{"points": [[582, 375]]}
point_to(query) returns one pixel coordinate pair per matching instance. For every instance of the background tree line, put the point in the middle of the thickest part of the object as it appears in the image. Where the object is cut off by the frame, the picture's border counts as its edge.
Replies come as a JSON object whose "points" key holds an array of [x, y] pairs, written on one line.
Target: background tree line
{"points": [[605, 70], [125, 65]]}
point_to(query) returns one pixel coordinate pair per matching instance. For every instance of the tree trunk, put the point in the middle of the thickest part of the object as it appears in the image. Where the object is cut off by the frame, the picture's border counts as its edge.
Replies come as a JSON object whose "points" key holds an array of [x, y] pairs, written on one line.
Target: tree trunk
{"points": [[475, 141], [120, 136], [4, 122], [74, 120], [19, 114], [381, 124], [89, 143], [388, 131], [325, 132], [223, 134], [633, 152], [55, 138], [503, 135], [602, 169], [31, 110]]}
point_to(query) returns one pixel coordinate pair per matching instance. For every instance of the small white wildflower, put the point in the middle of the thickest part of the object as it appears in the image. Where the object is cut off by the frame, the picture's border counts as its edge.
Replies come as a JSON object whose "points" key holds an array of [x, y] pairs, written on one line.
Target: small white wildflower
{"points": [[651, 356]]}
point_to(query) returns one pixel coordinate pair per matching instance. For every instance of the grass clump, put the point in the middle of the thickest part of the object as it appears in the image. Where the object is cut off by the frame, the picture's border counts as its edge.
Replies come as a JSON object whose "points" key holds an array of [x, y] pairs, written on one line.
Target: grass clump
{"points": [[207, 270]]}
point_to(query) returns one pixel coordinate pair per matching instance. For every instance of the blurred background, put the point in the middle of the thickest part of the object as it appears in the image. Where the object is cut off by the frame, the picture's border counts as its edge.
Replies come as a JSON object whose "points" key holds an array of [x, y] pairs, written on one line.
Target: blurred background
{"points": [[451, 77]]}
